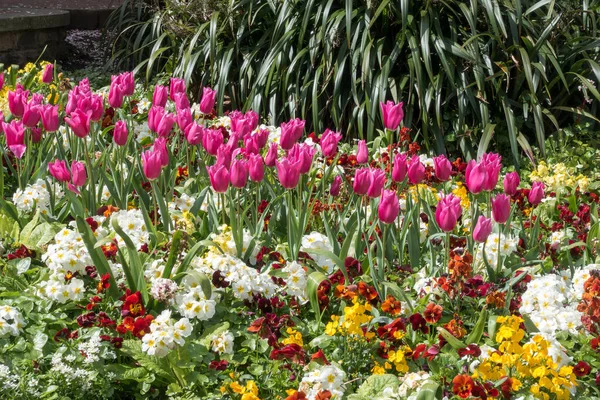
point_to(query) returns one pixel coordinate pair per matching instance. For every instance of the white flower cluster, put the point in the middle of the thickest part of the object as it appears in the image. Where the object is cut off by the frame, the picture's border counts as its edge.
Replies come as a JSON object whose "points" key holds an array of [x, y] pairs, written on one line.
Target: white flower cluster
{"points": [[227, 244], [557, 239], [56, 290], [11, 321], [165, 335], [194, 304], [318, 241], [245, 281], [92, 349], [163, 289], [70, 374], [8, 381], [550, 301], [154, 270], [141, 131], [296, 280], [326, 377], [183, 203], [409, 388], [133, 224], [35, 197], [222, 343], [494, 245]]}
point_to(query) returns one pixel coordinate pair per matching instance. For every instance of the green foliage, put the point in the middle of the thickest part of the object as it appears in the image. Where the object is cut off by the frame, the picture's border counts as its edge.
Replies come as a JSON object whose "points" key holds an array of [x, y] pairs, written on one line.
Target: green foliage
{"points": [[459, 67]]}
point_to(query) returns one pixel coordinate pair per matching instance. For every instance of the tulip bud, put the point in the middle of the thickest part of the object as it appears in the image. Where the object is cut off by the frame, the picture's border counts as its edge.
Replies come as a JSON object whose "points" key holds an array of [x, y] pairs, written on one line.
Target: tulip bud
{"points": [[208, 100], [219, 178], [288, 173], [49, 115], [329, 142], [501, 208], [362, 181], [443, 168], [271, 157], [177, 86], [362, 154], [536, 194], [377, 183], [416, 170], [482, 229], [511, 183], [291, 132], [160, 96], [194, 134], [151, 164], [400, 168], [447, 212], [78, 172], [58, 169], [79, 123], [389, 207], [392, 114], [48, 75], [336, 185], [238, 173], [256, 167], [160, 148], [212, 140], [120, 133]]}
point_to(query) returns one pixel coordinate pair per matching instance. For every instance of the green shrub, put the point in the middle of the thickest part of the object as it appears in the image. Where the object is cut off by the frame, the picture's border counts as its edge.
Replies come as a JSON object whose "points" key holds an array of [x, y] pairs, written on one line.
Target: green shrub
{"points": [[464, 69]]}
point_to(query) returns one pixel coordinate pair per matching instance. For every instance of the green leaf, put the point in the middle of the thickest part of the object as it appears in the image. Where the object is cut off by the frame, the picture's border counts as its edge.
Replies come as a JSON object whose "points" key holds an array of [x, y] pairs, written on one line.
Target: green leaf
{"points": [[451, 339], [477, 331]]}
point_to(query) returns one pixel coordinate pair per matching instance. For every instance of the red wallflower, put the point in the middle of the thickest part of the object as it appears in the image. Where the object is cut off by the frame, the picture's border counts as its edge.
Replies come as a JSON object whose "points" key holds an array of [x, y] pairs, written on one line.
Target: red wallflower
{"points": [[297, 396], [319, 358], [582, 369], [292, 352], [462, 386], [391, 306], [418, 323], [133, 305], [432, 313]]}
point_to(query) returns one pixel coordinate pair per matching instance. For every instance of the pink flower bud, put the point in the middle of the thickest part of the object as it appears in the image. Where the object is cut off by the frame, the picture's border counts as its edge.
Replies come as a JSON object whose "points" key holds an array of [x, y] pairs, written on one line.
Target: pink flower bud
{"points": [[329, 142], [50, 118], [160, 148], [58, 169], [389, 207], [392, 114], [447, 212], [475, 177], [78, 172], [17, 101], [219, 178], [482, 229], [15, 137], [336, 185], [120, 133], [181, 102], [362, 181], [256, 167], [212, 140], [400, 168], [184, 119], [511, 183], [177, 86], [194, 134], [79, 123], [238, 173], [208, 100], [160, 96], [291, 132], [362, 154], [443, 168], [377, 183], [536, 194], [48, 75], [416, 170], [501, 208], [271, 157], [151, 164], [288, 173]]}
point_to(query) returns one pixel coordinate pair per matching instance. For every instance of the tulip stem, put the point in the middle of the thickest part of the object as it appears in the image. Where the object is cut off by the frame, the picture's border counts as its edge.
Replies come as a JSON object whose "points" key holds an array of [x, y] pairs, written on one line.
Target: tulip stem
{"points": [[447, 249], [499, 256]]}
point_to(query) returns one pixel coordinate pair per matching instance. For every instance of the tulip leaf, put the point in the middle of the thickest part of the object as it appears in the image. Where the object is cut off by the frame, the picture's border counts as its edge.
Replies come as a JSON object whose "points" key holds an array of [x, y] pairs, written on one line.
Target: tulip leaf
{"points": [[451, 339]]}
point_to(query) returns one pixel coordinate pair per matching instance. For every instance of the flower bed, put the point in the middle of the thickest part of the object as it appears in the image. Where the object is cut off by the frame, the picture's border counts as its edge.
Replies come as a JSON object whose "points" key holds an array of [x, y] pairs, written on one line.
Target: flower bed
{"points": [[151, 249]]}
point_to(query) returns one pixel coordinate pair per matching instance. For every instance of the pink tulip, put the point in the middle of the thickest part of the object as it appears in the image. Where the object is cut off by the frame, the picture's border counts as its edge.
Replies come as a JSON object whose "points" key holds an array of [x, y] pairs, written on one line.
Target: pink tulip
{"points": [[336, 186], [79, 173], [96, 108], [17, 101], [251, 144], [48, 75], [241, 125], [238, 173], [482, 229], [125, 82], [15, 137], [362, 154], [261, 138], [389, 207], [212, 140], [181, 101], [475, 176], [400, 168], [304, 154], [151, 164], [116, 94], [291, 132], [184, 119], [58, 169], [49, 115], [177, 86], [256, 167], [511, 183], [160, 122], [1, 80], [36, 99], [194, 134], [493, 165], [447, 212], [219, 178], [79, 123], [288, 173], [443, 168], [392, 114], [208, 100], [160, 96], [416, 170], [31, 114], [501, 208], [252, 118], [362, 181], [160, 148], [225, 154], [377, 183], [329, 142], [120, 133], [271, 157], [536, 194]]}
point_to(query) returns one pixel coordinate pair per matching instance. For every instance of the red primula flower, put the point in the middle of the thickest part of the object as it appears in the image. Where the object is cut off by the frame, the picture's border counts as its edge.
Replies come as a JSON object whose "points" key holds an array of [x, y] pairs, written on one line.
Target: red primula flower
{"points": [[418, 323], [462, 386], [582, 369], [293, 352], [220, 365], [319, 358], [470, 350], [133, 305]]}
